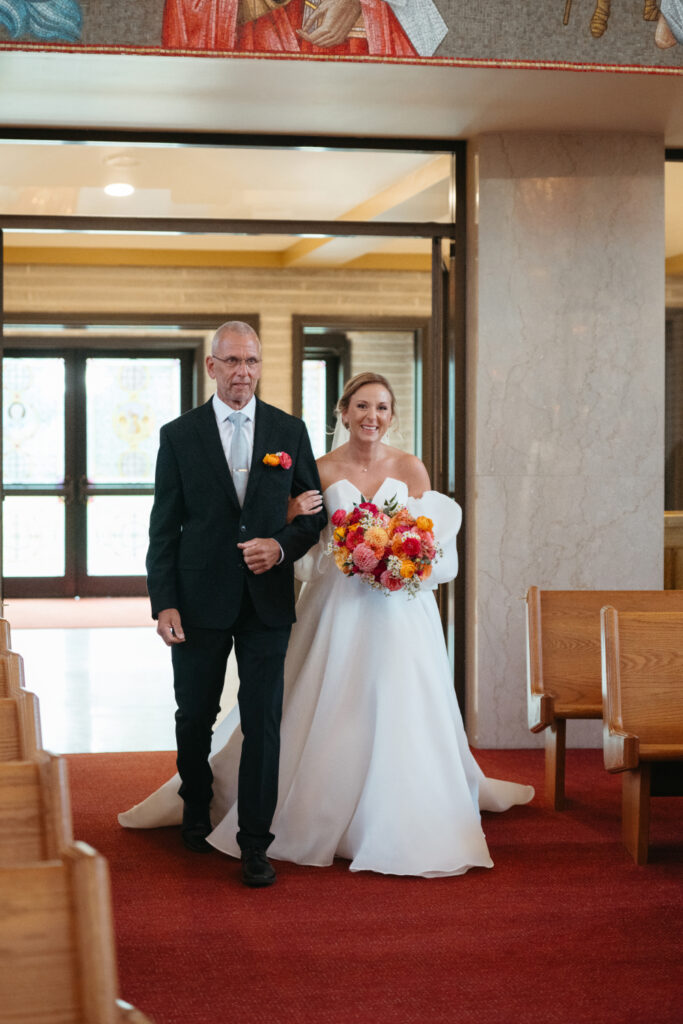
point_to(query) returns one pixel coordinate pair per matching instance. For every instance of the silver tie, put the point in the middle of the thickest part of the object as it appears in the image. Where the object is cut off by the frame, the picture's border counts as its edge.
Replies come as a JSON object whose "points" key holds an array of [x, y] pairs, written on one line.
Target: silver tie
{"points": [[239, 455]]}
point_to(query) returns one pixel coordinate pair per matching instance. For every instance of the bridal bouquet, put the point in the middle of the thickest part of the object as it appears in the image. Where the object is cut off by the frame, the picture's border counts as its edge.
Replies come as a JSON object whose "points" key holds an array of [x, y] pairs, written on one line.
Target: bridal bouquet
{"points": [[388, 548]]}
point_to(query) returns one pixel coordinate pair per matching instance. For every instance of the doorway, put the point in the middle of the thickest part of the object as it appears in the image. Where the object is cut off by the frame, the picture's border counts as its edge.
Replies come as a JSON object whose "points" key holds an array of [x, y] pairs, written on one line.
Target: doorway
{"points": [[80, 434]]}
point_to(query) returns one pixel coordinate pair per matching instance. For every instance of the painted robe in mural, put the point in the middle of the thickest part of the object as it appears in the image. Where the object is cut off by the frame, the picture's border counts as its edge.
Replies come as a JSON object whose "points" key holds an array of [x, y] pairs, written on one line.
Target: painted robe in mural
{"points": [[401, 28], [672, 10]]}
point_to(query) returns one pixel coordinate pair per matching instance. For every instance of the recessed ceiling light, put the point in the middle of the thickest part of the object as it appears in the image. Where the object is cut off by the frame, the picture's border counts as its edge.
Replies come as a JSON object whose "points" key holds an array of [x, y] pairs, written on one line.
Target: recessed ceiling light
{"points": [[119, 188]]}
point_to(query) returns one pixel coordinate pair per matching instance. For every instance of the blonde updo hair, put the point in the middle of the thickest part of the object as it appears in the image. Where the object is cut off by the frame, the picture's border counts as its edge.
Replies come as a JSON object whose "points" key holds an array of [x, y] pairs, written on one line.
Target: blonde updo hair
{"points": [[356, 383]]}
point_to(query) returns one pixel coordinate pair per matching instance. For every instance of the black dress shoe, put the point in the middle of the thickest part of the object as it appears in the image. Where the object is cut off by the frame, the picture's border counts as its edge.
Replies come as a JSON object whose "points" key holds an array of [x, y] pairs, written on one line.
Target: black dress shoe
{"points": [[196, 827], [257, 870], [195, 839]]}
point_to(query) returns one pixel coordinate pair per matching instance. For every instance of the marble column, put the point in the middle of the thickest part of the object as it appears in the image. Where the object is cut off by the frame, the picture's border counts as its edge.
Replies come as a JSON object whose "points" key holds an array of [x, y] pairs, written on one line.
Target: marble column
{"points": [[565, 393]]}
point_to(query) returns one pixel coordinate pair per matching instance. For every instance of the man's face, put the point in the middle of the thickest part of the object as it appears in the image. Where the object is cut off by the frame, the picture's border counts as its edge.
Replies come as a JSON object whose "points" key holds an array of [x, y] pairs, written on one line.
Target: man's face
{"points": [[235, 365]]}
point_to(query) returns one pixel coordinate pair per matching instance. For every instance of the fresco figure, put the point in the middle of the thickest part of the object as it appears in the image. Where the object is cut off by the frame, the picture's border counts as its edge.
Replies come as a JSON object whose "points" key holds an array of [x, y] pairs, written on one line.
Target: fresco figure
{"points": [[396, 28], [670, 24], [602, 11], [49, 20]]}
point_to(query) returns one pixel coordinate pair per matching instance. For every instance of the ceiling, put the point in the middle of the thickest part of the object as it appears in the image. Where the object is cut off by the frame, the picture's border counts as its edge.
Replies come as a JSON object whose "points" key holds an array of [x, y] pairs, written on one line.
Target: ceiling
{"points": [[259, 96]]}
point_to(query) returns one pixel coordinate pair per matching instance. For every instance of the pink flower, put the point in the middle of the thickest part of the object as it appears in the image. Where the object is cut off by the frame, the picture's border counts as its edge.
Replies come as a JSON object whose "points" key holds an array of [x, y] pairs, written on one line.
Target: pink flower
{"points": [[365, 558], [285, 460], [338, 517], [369, 507], [390, 582]]}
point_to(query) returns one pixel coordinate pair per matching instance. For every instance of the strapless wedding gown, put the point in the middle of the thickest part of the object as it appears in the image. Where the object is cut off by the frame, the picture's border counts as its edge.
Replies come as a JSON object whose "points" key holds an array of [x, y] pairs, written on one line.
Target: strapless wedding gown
{"points": [[375, 766]]}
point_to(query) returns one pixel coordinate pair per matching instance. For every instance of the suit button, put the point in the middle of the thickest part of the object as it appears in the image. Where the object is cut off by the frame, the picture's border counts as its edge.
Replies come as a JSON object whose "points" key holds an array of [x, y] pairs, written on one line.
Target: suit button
{"points": [[243, 529]]}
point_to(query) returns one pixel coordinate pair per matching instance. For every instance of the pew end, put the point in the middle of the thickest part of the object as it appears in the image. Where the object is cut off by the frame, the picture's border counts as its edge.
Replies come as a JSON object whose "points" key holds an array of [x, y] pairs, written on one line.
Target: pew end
{"points": [[59, 960], [642, 684], [20, 733], [564, 664], [35, 809]]}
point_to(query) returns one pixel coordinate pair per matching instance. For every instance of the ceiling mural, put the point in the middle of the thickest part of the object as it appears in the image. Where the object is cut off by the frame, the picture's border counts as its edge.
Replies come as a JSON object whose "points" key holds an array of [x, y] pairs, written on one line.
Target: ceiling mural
{"points": [[625, 35]]}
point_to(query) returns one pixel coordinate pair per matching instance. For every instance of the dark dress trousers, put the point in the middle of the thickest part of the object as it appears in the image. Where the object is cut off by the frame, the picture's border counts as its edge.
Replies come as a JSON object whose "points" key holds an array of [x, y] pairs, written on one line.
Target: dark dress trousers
{"points": [[194, 565]]}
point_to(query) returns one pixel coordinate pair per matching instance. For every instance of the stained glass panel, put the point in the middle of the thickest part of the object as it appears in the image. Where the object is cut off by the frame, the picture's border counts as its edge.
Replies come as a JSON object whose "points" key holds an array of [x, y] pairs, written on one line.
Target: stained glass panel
{"points": [[118, 534], [33, 536], [33, 420], [128, 400]]}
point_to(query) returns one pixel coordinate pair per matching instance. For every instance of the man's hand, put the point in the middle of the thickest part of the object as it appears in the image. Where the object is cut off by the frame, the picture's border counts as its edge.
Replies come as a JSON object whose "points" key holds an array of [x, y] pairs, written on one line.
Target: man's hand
{"points": [[334, 20], [260, 554], [169, 627]]}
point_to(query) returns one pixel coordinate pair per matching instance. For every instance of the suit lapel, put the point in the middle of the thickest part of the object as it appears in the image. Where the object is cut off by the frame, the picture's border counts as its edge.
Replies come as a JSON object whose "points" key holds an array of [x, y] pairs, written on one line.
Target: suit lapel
{"points": [[208, 431]]}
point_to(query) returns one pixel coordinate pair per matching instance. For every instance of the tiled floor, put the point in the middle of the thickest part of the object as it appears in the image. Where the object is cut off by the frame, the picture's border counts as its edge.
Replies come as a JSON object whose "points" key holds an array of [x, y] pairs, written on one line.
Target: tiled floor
{"points": [[104, 689]]}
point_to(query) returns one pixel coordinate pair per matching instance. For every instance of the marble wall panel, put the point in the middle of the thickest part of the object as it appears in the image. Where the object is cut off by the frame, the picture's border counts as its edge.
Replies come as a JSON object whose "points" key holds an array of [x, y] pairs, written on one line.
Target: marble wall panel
{"points": [[566, 393]]}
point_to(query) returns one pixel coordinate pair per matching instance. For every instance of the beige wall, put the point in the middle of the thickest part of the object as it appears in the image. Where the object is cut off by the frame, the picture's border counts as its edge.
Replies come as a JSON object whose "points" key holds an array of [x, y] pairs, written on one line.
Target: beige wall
{"points": [[276, 295]]}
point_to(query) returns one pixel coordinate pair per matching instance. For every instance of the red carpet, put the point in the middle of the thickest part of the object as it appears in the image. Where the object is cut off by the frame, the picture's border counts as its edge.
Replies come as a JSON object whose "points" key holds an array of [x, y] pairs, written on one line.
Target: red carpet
{"points": [[564, 928]]}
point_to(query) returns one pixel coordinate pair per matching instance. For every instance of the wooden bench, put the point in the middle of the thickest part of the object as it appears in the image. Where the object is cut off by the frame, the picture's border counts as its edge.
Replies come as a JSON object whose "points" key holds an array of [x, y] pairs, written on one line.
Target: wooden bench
{"points": [[20, 732], [642, 685], [11, 673], [5, 635], [564, 663], [58, 963], [20, 737], [35, 810]]}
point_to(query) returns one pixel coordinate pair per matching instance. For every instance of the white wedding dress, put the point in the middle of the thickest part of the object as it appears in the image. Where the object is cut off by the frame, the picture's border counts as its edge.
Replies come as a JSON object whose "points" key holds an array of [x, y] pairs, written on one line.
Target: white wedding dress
{"points": [[375, 766]]}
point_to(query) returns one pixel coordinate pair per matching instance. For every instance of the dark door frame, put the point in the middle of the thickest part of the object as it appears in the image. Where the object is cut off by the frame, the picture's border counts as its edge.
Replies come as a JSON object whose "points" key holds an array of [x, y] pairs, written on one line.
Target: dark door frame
{"points": [[444, 364], [419, 325]]}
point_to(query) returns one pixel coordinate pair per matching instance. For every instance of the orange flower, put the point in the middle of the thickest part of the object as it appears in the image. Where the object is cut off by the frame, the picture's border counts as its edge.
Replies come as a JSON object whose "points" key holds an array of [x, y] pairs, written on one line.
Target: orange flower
{"points": [[402, 516], [424, 523], [407, 570], [271, 460], [426, 572], [397, 544], [376, 538], [340, 556]]}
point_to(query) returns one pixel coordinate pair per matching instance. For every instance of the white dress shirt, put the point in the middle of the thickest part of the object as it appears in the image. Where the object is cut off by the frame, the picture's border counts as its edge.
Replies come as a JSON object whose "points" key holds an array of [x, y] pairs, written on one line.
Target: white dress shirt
{"points": [[226, 429]]}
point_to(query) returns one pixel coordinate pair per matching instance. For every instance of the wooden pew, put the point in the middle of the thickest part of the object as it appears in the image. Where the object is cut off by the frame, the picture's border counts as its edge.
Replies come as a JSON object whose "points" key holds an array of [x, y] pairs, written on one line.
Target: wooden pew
{"points": [[20, 732], [5, 635], [35, 810], [11, 673], [20, 736], [642, 685], [564, 667], [59, 962]]}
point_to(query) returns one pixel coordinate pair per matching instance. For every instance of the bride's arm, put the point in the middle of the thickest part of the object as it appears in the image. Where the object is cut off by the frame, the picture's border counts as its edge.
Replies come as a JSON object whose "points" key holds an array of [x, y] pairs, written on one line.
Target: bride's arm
{"points": [[416, 477]]}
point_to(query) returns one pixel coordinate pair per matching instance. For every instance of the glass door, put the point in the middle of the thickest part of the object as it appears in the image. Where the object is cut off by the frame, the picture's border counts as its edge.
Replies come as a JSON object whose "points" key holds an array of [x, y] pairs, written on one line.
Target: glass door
{"points": [[80, 436]]}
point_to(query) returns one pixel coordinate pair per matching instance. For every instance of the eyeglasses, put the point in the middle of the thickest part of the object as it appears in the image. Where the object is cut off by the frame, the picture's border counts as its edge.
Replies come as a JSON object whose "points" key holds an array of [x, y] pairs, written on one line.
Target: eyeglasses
{"points": [[232, 362]]}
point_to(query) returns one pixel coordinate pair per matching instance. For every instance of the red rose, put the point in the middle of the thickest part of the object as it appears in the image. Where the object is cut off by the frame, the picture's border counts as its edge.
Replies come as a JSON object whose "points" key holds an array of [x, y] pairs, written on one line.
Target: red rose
{"points": [[285, 460], [355, 516], [411, 546], [353, 539], [369, 507], [338, 517]]}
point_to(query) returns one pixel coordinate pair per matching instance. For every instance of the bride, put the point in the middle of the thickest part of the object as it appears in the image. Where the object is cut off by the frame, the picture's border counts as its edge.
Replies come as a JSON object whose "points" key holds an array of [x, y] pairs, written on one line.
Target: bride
{"points": [[374, 766]]}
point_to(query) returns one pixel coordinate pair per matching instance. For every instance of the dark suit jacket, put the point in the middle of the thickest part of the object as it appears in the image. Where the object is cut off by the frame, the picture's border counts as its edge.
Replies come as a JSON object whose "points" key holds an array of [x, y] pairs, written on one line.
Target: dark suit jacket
{"points": [[193, 562]]}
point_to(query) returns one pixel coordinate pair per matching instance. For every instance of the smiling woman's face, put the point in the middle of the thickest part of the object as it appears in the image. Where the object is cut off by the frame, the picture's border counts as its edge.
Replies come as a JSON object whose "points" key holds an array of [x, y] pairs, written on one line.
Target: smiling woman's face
{"points": [[369, 413]]}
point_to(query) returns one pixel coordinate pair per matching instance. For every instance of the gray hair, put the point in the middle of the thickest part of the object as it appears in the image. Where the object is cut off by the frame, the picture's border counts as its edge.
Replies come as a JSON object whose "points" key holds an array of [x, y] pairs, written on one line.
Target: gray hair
{"points": [[234, 327]]}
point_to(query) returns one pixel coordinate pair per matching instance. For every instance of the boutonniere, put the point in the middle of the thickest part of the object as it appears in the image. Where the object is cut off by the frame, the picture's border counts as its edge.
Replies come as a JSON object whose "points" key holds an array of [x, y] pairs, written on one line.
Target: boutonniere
{"points": [[278, 459]]}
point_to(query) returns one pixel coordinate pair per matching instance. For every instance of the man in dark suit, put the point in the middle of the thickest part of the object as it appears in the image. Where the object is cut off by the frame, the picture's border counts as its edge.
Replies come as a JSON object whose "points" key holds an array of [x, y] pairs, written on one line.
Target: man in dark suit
{"points": [[219, 571]]}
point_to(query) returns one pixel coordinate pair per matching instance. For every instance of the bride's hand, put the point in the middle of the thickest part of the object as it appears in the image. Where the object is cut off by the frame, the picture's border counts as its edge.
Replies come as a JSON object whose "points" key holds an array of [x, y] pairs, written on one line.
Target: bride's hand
{"points": [[305, 504]]}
